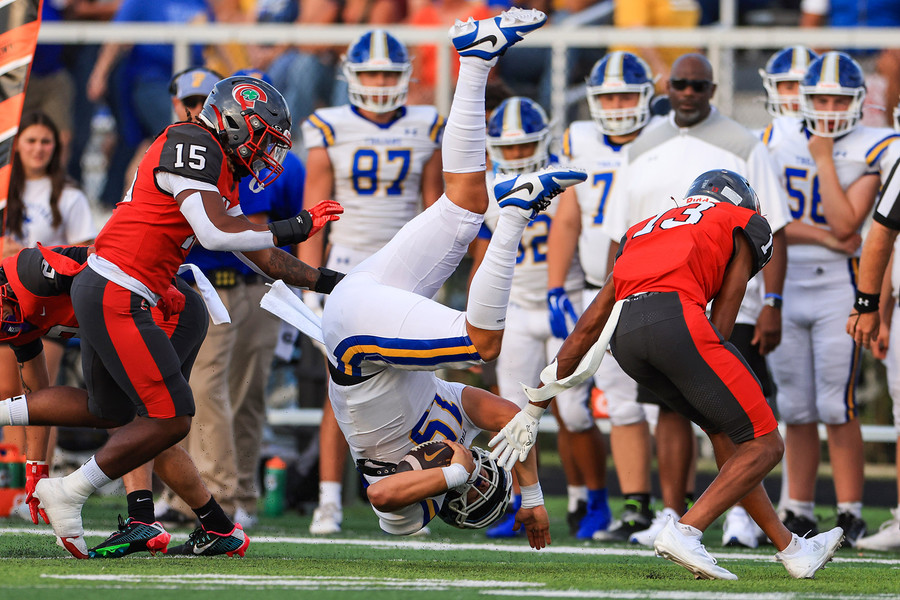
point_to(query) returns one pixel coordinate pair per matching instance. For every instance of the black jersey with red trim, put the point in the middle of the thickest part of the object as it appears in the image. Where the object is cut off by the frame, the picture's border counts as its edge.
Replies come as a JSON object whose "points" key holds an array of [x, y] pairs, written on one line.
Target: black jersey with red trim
{"points": [[687, 249], [147, 236]]}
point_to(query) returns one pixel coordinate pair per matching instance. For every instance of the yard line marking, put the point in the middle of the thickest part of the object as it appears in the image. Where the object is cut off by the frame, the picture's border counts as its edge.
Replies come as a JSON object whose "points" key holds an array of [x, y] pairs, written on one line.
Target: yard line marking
{"points": [[681, 595]]}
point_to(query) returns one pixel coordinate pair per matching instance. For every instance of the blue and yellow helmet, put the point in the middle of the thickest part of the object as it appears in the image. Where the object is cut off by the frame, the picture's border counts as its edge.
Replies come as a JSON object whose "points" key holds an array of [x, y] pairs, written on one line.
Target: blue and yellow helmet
{"points": [[377, 51], [834, 74], [518, 121], [620, 73], [788, 64]]}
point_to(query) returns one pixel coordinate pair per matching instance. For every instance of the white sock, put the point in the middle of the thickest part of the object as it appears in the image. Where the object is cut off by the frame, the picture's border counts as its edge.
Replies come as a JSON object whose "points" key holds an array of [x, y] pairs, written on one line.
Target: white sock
{"points": [[688, 530], [800, 508], [854, 508], [14, 411], [795, 546], [463, 147], [489, 292], [330, 493], [576, 493], [93, 474]]}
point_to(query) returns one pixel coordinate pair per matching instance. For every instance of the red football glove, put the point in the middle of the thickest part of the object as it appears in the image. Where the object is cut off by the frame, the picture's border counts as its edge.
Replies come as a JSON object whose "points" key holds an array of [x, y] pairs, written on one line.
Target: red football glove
{"points": [[35, 470], [322, 213], [171, 303]]}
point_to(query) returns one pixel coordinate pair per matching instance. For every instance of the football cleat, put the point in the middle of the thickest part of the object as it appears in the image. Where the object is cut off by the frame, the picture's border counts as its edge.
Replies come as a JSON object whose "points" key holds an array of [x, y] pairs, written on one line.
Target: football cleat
{"points": [[597, 518], [802, 526], [886, 538], [648, 536], [854, 528], [812, 555], [633, 520], [740, 530], [132, 536], [63, 508], [490, 38], [326, 520], [687, 551], [209, 543], [531, 193], [574, 517]]}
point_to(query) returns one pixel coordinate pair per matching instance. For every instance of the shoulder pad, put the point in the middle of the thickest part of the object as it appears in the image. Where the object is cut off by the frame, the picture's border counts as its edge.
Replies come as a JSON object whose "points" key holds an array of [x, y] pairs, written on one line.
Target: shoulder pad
{"points": [[191, 151]]}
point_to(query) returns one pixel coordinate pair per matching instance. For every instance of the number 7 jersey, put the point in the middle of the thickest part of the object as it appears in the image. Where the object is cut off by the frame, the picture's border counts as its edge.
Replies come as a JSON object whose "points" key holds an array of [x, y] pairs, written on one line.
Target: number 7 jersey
{"points": [[377, 168]]}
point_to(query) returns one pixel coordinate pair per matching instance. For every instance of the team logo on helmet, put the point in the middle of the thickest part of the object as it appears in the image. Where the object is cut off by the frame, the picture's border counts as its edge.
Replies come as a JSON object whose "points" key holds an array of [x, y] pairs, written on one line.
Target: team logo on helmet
{"points": [[248, 94]]}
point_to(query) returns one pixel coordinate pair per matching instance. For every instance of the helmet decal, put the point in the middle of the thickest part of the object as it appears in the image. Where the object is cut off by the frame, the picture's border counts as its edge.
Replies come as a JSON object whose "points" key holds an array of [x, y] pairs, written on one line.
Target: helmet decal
{"points": [[248, 94]]}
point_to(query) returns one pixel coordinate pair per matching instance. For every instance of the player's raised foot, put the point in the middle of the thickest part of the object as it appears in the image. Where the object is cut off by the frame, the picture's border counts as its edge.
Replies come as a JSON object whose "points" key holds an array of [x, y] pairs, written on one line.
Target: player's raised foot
{"points": [[132, 536], [687, 551], [886, 538], [490, 38], [531, 193], [209, 543], [326, 520], [63, 508], [740, 530], [812, 554]]}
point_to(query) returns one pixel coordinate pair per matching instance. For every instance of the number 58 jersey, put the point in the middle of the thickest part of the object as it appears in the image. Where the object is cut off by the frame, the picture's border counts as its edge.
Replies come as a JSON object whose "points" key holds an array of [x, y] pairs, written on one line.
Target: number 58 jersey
{"points": [[377, 168]]}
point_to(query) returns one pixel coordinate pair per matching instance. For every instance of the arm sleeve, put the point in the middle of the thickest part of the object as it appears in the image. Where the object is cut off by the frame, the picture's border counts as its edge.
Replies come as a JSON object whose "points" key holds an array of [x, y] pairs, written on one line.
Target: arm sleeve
{"points": [[213, 238], [759, 234]]}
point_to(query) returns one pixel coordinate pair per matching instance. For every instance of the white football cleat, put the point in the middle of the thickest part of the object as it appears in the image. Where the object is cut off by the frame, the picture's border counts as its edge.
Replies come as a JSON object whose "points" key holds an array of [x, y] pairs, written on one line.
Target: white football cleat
{"points": [[326, 520], [531, 193], [63, 508], [687, 551], [489, 38], [648, 536], [740, 529], [813, 554], [887, 538]]}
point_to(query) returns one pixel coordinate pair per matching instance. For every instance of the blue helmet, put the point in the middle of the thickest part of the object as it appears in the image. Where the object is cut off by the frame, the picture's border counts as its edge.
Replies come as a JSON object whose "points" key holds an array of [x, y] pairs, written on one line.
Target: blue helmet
{"points": [[722, 185], [518, 121], [377, 51], [788, 64], [620, 73], [833, 73]]}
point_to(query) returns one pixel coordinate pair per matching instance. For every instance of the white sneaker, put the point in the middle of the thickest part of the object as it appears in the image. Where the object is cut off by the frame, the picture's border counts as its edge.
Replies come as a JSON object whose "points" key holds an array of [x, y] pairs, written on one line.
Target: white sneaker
{"points": [[648, 536], [740, 529], [425, 531], [687, 551], [813, 554], [63, 508], [887, 538], [246, 520], [489, 38], [326, 520], [531, 193]]}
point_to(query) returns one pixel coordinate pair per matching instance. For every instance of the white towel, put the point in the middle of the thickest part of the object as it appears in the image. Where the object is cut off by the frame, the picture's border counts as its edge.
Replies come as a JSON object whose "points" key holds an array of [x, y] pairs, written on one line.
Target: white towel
{"points": [[284, 304]]}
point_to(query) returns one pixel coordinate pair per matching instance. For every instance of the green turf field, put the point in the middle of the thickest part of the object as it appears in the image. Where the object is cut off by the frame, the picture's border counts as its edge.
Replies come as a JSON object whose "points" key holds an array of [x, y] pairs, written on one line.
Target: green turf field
{"points": [[283, 561]]}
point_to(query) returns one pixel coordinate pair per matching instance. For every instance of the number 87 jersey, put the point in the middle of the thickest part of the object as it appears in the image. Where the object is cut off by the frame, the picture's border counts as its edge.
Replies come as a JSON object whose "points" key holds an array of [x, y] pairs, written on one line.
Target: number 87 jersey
{"points": [[377, 168]]}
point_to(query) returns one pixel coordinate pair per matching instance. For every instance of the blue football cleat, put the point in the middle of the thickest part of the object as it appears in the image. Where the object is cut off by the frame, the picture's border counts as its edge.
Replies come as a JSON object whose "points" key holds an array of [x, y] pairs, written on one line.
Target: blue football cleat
{"points": [[489, 38], [531, 193]]}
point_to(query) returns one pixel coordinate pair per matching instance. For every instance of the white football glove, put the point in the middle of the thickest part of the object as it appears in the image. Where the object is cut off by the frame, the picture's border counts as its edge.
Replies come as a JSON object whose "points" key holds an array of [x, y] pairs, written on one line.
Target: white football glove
{"points": [[517, 438]]}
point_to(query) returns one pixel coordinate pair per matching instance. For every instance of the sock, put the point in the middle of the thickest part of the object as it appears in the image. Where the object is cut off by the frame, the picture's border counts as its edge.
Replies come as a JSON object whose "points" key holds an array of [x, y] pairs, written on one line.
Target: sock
{"points": [[213, 518], [93, 474], [688, 501], [688, 530], [464, 142], [140, 506], [576, 493], [640, 501], [795, 546], [854, 508], [596, 499], [330, 493], [801, 509], [14, 411], [489, 292]]}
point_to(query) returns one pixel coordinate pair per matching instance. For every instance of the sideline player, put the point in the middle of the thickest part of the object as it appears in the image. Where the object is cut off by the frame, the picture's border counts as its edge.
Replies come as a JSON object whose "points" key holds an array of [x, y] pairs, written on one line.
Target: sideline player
{"points": [[667, 270], [185, 188]]}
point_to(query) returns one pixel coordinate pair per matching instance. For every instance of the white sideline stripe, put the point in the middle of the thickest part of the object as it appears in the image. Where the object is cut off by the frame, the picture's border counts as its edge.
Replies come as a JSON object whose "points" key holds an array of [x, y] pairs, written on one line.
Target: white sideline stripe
{"points": [[679, 595], [405, 544]]}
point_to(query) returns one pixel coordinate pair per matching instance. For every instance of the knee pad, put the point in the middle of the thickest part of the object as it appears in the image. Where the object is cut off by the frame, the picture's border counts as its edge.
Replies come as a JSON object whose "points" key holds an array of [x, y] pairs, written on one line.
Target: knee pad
{"points": [[574, 411], [625, 412]]}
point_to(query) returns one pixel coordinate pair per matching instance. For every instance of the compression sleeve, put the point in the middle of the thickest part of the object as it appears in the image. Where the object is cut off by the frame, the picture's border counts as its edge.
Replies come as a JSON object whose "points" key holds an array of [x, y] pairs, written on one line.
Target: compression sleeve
{"points": [[213, 238]]}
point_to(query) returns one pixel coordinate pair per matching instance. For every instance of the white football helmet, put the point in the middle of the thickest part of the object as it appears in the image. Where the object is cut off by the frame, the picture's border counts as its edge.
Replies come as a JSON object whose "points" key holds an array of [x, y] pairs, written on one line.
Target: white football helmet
{"points": [[377, 51], [482, 503], [833, 73]]}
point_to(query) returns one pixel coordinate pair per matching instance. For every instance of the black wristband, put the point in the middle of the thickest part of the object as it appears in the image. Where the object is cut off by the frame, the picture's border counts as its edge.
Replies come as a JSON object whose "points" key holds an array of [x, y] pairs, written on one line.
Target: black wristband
{"points": [[866, 303], [327, 280], [293, 230]]}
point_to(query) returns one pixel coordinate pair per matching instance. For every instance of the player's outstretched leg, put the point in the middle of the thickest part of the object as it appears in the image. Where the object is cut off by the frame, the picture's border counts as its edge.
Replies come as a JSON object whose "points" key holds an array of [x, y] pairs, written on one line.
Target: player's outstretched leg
{"points": [[490, 38], [531, 193]]}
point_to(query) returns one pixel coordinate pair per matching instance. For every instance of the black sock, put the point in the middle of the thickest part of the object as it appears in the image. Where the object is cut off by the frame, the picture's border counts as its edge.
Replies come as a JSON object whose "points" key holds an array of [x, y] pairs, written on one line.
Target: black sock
{"points": [[140, 506], [213, 518], [640, 501], [688, 501]]}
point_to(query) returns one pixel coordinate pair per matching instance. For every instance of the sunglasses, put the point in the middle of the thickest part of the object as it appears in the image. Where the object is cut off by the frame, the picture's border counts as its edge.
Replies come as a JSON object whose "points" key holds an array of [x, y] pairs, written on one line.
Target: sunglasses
{"points": [[698, 85]]}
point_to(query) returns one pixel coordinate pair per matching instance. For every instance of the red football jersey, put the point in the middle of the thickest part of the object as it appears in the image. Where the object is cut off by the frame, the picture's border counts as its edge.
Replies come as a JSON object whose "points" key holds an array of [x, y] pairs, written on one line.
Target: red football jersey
{"points": [[147, 236], [687, 249]]}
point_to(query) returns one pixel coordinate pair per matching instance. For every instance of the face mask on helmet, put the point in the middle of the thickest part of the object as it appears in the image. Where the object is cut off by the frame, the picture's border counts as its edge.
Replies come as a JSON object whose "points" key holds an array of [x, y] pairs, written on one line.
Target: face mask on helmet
{"points": [[722, 185], [482, 503], [13, 322], [620, 73], [377, 52], [787, 65], [518, 136], [251, 119], [834, 74]]}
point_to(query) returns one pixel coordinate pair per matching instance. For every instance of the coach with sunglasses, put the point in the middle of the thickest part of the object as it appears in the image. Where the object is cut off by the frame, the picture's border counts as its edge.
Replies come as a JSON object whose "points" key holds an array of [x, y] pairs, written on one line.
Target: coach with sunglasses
{"points": [[661, 164]]}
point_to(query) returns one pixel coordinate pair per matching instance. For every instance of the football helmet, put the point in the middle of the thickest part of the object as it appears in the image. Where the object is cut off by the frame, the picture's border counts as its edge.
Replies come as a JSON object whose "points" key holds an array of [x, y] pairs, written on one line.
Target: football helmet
{"points": [[833, 73], [12, 321], [518, 121], [252, 120], [481, 504], [618, 73], [788, 64], [377, 51], [722, 185]]}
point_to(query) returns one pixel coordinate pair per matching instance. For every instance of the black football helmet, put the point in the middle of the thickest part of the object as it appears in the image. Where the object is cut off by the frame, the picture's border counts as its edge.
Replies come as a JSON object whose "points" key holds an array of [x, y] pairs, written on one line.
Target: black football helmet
{"points": [[722, 185], [251, 118], [482, 503]]}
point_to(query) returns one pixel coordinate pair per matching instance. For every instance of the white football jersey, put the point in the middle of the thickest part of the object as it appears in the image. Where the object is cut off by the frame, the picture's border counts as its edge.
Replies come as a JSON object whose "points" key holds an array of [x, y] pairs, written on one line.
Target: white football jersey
{"points": [[864, 150], [377, 168], [529, 283], [586, 147]]}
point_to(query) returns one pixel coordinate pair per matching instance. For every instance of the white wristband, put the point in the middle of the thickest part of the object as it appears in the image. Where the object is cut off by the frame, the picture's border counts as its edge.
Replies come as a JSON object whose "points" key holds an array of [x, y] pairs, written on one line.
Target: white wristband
{"points": [[455, 475], [532, 495], [533, 410]]}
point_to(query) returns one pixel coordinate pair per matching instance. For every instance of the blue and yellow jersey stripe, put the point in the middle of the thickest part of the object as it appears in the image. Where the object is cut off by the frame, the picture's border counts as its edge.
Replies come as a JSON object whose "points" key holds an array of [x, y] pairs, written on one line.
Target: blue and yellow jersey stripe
{"points": [[402, 352], [437, 129], [327, 130], [767, 134], [567, 143], [430, 509], [875, 152]]}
